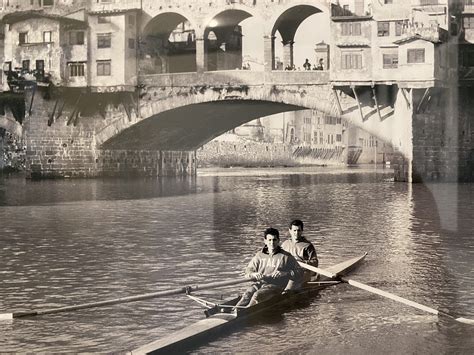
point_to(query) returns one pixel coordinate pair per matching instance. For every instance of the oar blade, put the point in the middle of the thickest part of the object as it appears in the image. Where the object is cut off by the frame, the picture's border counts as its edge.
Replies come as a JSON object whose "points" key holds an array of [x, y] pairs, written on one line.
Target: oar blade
{"points": [[465, 320], [110, 302], [386, 294], [6, 316]]}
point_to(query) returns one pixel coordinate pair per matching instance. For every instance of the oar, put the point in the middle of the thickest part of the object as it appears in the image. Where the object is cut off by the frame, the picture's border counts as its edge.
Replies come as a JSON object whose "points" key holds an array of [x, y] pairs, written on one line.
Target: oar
{"points": [[384, 293], [185, 289]]}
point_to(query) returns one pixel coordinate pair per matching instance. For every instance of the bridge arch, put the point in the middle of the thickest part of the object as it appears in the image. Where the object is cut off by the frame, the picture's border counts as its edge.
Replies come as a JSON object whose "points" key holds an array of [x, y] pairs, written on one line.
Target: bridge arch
{"points": [[168, 115], [188, 127], [168, 44], [238, 8]]}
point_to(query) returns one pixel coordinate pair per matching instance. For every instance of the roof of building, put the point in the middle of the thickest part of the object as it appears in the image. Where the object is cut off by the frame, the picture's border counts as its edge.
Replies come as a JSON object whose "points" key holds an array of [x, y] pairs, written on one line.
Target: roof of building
{"points": [[353, 44], [351, 18], [417, 37], [29, 14]]}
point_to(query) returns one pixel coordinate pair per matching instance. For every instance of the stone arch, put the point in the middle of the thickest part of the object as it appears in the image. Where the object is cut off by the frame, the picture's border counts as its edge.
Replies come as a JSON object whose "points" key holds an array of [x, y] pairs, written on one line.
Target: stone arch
{"points": [[168, 44], [251, 12], [225, 52], [287, 21], [319, 5]]}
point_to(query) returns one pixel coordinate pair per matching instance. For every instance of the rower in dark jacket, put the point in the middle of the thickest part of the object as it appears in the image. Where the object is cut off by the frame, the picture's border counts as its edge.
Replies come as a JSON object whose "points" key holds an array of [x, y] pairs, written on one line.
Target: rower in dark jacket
{"points": [[271, 268], [303, 250]]}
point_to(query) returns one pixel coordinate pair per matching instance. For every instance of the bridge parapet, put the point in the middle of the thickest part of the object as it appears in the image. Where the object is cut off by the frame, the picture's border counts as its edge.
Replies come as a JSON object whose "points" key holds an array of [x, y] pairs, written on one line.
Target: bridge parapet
{"points": [[236, 77]]}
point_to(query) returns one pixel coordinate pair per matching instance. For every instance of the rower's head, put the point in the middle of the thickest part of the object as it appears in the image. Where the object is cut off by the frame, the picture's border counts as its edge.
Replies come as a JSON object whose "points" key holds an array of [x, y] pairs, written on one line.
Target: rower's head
{"points": [[272, 238], [296, 229]]}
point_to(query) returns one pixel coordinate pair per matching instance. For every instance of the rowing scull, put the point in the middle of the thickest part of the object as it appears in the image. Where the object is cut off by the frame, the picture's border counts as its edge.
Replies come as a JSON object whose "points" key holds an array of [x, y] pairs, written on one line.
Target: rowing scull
{"points": [[220, 317]]}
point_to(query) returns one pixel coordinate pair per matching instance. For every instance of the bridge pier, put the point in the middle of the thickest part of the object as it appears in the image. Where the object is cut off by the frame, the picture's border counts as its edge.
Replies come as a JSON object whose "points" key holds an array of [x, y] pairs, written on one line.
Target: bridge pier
{"points": [[443, 144], [63, 148]]}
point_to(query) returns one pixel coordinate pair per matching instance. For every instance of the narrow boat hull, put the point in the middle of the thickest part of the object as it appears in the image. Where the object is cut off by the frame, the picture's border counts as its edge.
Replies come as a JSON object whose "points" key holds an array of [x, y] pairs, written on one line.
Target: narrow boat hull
{"points": [[220, 318]]}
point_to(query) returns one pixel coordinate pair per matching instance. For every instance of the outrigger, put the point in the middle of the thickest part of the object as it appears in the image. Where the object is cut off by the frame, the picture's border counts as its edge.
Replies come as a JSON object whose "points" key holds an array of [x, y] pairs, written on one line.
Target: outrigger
{"points": [[220, 317]]}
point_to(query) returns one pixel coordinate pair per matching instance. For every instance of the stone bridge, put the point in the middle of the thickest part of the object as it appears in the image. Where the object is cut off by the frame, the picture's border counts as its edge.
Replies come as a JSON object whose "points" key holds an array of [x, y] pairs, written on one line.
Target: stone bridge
{"points": [[183, 111], [172, 104]]}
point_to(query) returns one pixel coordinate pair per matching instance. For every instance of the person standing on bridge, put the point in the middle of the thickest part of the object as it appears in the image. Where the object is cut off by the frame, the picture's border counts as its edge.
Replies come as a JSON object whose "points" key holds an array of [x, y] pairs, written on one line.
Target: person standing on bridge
{"points": [[307, 65], [271, 268], [303, 250]]}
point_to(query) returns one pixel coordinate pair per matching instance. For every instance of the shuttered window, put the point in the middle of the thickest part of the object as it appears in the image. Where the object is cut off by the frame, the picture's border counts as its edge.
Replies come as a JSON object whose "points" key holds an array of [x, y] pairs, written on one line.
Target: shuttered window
{"points": [[390, 60], [351, 61], [351, 29], [416, 55], [104, 68], [383, 28], [104, 40]]}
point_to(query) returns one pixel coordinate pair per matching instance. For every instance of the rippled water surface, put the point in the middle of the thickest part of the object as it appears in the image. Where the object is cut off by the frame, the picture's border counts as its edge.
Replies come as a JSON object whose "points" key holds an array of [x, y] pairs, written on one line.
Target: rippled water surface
{"points": [[77, 241]]}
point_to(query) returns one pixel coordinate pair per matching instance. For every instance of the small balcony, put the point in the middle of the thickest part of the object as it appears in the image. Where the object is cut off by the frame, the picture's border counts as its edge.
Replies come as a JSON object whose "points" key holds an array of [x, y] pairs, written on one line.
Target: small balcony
{"points": [[431, 33], [19, 79]]}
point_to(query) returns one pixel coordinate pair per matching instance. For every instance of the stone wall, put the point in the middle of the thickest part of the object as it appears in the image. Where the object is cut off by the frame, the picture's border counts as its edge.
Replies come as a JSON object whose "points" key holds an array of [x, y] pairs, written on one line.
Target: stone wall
{"points": [[443, 138], [56, 149], [59, 149]]}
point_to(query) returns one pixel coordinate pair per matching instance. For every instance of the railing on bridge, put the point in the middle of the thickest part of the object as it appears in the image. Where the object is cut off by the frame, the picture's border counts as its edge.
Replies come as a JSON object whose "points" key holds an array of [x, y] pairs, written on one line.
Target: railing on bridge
{"points": [[236, 78], [111, 5], [114, 5]]}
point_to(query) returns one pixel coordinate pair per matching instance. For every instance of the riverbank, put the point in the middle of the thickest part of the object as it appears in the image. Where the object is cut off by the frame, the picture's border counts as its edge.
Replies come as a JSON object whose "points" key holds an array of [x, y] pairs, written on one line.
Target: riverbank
{"points": [[246, 153]]}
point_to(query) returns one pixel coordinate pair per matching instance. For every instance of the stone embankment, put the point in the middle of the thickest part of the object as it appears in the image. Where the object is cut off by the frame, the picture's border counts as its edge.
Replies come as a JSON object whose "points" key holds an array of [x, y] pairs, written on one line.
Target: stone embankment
{"points": [[248, 153]]}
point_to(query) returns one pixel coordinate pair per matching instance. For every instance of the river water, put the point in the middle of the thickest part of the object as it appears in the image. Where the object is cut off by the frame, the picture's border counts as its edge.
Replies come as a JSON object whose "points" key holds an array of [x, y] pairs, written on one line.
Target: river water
{"points": [[65, 242]]}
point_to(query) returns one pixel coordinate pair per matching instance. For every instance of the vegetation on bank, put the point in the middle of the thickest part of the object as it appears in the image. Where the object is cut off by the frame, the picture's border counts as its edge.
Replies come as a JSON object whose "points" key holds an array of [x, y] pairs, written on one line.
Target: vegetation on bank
{"points": [[12, 152]]}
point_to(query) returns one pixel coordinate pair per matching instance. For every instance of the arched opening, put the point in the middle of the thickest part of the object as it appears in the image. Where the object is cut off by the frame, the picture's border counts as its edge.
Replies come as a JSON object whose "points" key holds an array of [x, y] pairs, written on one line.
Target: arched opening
{"points": [[168, 45], [292, 45], [233, 40]]}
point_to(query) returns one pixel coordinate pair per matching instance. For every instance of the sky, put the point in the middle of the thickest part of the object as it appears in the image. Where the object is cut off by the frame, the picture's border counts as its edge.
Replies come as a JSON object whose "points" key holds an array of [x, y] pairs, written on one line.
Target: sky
{"points": [[313, 30]]}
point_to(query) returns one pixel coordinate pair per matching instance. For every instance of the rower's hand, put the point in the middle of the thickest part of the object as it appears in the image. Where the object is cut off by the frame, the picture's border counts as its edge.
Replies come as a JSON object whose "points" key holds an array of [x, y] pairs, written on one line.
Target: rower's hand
{"points": [[256, 276], [277, 274]]}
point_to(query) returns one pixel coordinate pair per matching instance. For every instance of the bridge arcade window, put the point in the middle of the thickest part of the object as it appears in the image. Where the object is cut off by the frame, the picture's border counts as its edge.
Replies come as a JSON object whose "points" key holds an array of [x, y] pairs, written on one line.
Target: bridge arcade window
{"points": [[104, 67]]}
